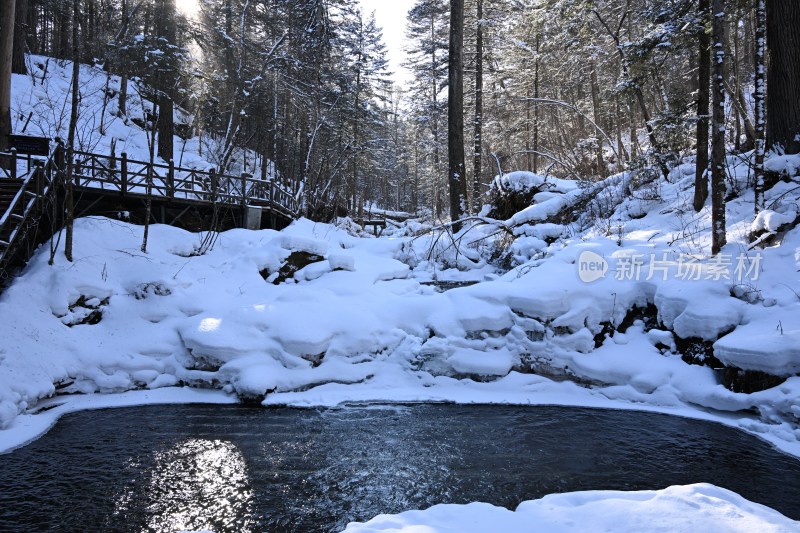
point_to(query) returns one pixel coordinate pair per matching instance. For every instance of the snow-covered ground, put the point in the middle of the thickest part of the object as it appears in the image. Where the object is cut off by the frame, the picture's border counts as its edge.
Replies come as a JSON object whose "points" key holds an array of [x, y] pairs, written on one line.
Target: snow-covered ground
{"points": [[361, 325], [40, 106], [699, 507], [588, 297]]}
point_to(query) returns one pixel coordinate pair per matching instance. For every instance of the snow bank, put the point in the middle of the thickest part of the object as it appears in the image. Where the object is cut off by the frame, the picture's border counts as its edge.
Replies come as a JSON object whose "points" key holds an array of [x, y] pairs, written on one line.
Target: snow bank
{"points": [[369, 330], [522, 180], [700, 507]]}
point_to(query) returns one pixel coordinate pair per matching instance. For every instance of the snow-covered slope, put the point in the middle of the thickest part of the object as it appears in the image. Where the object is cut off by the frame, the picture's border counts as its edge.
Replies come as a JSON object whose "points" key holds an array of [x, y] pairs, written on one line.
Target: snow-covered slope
{"points": [[40, 106]]}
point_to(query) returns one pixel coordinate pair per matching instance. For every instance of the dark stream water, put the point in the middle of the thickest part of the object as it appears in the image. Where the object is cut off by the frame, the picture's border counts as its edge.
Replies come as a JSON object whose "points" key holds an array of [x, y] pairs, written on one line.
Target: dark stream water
{"points": [[167, 468]]}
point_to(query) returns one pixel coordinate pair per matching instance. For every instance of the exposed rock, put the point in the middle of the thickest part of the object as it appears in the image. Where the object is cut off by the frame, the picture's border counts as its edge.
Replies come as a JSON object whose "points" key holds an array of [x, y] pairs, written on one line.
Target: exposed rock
{"points": [[296, 261], [86, 310], [144, 290], [696, 351], [749, 381]]}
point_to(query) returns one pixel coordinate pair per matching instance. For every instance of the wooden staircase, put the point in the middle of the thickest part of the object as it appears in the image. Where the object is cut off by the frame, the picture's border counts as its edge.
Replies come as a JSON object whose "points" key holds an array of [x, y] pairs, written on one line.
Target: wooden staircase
{"points": [[21, 203], [8, 190]]}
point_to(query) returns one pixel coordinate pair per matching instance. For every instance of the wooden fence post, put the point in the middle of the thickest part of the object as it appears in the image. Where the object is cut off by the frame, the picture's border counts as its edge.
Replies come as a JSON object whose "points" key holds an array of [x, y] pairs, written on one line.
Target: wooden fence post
{"points": [[76, 168], [171, 179], [123, 167], [245, 175], [59, 159], [38, 174], [13, 163]]}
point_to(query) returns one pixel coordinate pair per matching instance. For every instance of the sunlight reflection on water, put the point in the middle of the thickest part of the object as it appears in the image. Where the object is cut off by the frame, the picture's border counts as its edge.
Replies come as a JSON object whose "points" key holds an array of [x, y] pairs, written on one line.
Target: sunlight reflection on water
{"points": [[197, 484]]}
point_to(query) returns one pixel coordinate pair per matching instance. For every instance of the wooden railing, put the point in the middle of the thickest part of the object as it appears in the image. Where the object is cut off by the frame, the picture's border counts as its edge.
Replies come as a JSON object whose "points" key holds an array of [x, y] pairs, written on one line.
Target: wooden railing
{"points": [[108, 174], [130, 176], [28, 203], [10, 162]]}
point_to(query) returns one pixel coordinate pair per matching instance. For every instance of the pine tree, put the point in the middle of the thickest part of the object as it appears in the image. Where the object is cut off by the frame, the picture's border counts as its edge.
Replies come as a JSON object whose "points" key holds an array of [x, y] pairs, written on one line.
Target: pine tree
{"points": [[167, 79], [7, 11], [428, 53], [477, 142], [366, 83], [703, 96], [457, 173], [783, 77], [759, 98], [718, 58]]}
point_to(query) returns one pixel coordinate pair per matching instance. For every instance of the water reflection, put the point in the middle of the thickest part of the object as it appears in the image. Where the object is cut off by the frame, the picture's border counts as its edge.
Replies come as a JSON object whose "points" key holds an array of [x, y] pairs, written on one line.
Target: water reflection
{"points": [[234, 469], [196, 484], [390, 460]]}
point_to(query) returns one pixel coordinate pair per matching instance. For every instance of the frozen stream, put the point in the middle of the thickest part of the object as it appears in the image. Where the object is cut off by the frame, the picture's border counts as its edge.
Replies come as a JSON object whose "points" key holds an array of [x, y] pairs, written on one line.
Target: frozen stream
{"points": [[166, 468]]}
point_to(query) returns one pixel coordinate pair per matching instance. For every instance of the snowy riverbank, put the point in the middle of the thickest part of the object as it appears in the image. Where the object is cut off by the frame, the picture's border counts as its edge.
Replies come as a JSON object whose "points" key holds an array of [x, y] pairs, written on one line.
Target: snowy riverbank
{"points": [[699, 507], [323, 315], [358, 325]]}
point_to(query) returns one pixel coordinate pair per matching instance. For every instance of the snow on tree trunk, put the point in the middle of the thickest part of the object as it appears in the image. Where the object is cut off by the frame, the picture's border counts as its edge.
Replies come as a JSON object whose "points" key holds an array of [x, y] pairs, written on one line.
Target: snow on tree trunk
{"points": [[477, 141], [718, 238], [759, 99], [704, 84], [457, 179]]}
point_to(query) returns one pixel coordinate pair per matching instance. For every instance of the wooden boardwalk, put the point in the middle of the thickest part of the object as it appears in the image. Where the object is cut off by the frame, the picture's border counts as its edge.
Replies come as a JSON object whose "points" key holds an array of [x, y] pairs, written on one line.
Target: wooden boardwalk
{"points": [[106, 184]]}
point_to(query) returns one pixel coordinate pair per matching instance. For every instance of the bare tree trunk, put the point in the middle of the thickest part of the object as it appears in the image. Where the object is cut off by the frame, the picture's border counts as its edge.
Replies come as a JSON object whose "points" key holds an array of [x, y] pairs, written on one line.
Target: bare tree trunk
{"points": [[783, 76], [437, 204], [634, 133], [457, 180], [151, 146], [90, 28], [18, 59], [477, 141], [73, 122], [32, 19], [601, 167], [7, 11], [64, 24], [166, 125], [737, 97], [718, 236], [622, 153], [759, 99], [703, 96], [122, 99], [536, 104]]}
